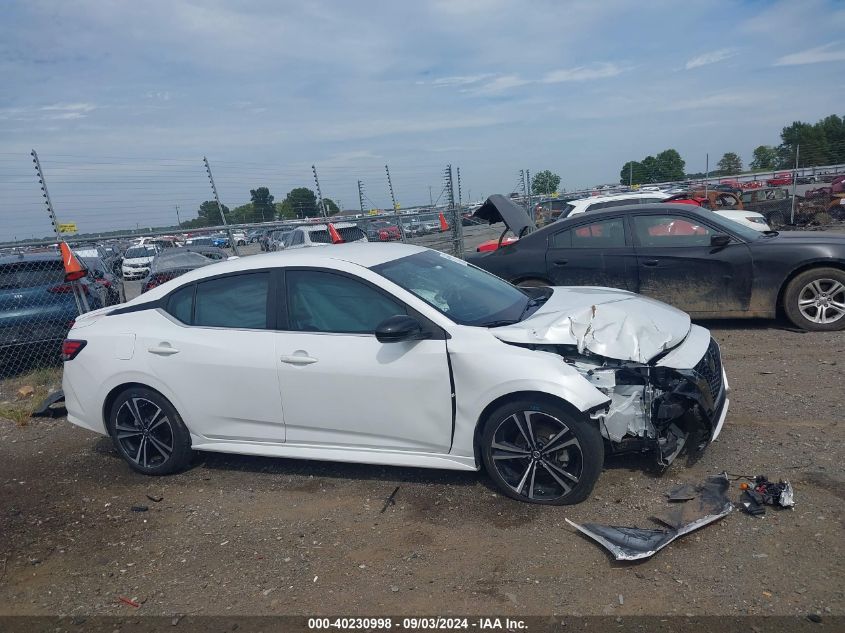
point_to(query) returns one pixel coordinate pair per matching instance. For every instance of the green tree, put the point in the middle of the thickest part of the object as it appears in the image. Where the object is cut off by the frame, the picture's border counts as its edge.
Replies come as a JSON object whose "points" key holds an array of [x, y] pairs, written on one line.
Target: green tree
{"points": [[651, 170], [809, 141], [670, 166], [765, 157], [545, 182], [331, 207], [300, 202], [263, 208], [209, 215], [632, 173], [243, 214], [729, 164]]}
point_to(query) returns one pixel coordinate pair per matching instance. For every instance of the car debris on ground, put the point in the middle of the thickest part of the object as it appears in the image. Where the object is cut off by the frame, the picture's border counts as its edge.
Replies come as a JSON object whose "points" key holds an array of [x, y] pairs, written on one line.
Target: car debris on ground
{"points": [[709, 504], [763, 492]]}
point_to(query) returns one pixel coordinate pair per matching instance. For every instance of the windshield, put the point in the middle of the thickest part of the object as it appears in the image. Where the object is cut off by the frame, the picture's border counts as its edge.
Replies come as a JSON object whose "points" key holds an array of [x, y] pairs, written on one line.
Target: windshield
{"points": [[464, 293], [140, 251]]}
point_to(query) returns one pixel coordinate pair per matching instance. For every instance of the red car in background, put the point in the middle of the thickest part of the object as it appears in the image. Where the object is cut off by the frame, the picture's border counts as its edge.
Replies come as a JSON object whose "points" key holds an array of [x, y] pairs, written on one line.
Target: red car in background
{"points": [[779, 180]]}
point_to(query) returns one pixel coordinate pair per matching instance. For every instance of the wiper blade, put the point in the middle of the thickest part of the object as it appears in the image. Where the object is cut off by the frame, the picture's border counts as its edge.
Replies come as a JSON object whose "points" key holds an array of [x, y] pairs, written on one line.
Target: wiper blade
{"points": [[500, 323]]}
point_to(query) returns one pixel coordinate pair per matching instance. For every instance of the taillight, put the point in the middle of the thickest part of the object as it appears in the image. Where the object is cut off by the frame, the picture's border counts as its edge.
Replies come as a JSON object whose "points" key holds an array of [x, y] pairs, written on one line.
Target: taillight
{"points": [[104, 282], [62, 289], [71, 348]]}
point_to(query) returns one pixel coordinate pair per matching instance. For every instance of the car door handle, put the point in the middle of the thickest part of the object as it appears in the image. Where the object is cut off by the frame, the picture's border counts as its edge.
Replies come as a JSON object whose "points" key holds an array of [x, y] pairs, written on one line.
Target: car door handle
{"points": [[164, 349], [561, 262], [650, 262], [298, 360]]}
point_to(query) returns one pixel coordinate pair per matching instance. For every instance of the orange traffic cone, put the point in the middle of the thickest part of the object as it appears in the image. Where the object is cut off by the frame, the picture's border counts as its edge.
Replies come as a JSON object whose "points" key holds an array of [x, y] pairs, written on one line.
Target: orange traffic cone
{"points": [[336, 238], [73, 269], [444, 225]]}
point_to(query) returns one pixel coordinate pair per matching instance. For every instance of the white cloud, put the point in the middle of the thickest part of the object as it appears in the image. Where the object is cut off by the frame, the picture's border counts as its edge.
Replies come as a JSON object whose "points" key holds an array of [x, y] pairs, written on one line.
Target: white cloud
{"points": [[70, 107], [815, 55], [502, 83], [600, 70], [459, 80], [712, 57]]}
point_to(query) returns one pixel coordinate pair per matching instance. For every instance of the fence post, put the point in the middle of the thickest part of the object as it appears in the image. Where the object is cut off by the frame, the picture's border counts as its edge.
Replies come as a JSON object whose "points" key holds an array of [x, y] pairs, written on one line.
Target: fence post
{"points": [[232, 242], [457, 226], [78, 293], [402, 235]]}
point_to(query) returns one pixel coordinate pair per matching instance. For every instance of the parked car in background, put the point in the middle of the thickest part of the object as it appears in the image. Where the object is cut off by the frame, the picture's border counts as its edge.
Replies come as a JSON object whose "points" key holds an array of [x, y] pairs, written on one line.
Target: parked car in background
{"points": [[111, 256], [276, 239], [774, 203], [220, 240], [318, 235], [382, 231], [500, 378], [723, 203], [136, 261], [239, 237], [686, 256], [200, 240], [170, 264], [105, 281], [779, 180], [252, 236], [37, 307], [596, 203]]}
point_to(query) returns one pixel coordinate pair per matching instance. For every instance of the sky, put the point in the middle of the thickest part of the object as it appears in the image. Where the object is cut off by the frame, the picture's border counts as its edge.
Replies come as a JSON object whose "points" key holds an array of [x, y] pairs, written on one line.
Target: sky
{"points": [[123, 99]]}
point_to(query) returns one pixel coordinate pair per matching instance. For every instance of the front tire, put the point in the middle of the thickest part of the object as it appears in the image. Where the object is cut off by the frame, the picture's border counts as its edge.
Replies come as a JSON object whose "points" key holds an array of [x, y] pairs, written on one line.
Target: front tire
{"points": [[539, 452], [815, 300], [148, 432]]}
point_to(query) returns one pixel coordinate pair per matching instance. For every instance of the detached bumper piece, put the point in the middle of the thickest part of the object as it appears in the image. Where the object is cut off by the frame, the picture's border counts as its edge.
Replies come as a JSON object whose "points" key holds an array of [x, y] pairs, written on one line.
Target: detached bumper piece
{"points": [[46, 408], [631, 543]]}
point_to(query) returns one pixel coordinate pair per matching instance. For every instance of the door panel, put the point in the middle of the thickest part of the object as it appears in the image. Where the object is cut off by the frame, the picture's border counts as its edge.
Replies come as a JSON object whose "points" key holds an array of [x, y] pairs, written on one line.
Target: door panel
{"points": [[677, 265], [592, 254], [226, 379], [351, 390]]}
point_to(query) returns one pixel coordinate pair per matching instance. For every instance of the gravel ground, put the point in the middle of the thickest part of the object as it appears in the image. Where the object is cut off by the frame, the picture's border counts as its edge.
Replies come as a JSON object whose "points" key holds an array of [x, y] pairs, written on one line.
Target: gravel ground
{"points": [[239, 535]]}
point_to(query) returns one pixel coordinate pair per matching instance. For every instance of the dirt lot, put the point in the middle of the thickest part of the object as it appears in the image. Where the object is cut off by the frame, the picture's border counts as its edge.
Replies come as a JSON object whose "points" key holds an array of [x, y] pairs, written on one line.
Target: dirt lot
{"points": [[238, 535]]}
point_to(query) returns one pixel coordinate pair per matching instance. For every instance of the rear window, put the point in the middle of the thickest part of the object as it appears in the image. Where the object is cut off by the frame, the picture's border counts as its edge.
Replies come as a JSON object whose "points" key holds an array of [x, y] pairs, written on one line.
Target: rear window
{"points": [[348, 234], [31, 274]]}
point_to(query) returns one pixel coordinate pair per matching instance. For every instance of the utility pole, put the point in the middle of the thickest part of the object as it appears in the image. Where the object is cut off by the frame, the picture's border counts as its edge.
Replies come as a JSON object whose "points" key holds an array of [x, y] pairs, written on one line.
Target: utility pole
{"points": [[458, 169], [232, 241], [528, 186], [78, 293], [361, 196], [430, 198], [395, 206], [706, 172], [457, 227], [794, 178], [630, 174], [178, 221], [319, 194]]}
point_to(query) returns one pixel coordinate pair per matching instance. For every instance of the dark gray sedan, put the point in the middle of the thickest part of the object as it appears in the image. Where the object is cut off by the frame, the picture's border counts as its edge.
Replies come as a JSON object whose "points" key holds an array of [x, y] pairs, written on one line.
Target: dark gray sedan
{"points": [[694, 260]]}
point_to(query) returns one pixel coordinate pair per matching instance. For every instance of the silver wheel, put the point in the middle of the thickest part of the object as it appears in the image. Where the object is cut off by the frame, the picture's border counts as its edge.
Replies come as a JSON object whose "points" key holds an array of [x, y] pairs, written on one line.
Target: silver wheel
{"points": [[537, 455], [144, 432], [822, 301]]}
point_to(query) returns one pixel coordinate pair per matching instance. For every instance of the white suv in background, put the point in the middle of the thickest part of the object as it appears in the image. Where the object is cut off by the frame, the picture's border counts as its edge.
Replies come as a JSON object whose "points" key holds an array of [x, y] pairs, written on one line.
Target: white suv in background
{"points": [[137, 259], [318, 235], [594, 203]]}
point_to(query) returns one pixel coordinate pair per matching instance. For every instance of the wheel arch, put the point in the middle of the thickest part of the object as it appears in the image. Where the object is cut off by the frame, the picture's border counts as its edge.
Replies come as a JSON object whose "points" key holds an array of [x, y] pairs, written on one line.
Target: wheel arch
{"points": [[113, 394], [819, 263], [518, 280], [539, 396]]}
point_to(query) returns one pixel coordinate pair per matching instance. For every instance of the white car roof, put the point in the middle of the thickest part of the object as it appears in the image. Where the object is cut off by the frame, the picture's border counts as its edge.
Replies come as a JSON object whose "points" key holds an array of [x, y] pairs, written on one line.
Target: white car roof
{"points": [[622, 196], [324, 227], [364, 254]]}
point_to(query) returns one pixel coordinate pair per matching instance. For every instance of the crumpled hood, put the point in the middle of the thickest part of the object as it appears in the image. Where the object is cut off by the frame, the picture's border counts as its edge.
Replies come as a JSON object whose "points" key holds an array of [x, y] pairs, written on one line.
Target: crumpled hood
{"points": [[605, 321]]}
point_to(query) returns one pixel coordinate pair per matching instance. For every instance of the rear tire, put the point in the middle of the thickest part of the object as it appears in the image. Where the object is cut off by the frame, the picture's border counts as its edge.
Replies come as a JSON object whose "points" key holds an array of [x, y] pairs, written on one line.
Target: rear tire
{"points": [[815, 300], [148, 432], [540, 452]]}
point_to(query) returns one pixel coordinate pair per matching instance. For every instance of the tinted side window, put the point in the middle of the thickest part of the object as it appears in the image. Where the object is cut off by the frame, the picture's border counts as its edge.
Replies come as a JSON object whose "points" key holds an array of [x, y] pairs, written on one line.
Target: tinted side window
{"points": [[238, 301], [668, 230], [562, 239], [604, 234], [324, 302], [181, 304], [297, 238]]}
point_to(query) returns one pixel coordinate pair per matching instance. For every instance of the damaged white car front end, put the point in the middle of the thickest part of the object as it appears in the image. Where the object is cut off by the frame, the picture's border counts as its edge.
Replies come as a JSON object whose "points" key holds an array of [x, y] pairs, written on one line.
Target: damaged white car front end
{"points": [[663, 377]]}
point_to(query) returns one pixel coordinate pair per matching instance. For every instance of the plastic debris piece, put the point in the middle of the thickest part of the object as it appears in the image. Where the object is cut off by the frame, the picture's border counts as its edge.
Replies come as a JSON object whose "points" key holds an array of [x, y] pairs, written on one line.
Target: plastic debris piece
{"points": [[684, 492], [632, 543], [46, 409], [129, 601]]}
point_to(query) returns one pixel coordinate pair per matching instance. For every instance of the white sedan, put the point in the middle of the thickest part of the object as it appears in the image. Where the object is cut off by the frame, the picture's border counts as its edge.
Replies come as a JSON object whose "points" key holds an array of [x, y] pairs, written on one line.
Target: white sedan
{"points": [[394, 354]]}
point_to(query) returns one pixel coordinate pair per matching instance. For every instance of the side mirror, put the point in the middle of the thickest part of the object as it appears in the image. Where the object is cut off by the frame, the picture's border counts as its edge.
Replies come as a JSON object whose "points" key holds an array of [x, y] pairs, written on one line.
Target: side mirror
{"points": [[399, 328], [720, 240]]}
